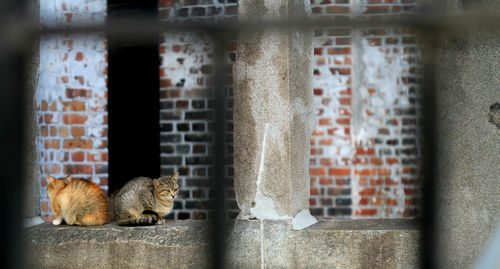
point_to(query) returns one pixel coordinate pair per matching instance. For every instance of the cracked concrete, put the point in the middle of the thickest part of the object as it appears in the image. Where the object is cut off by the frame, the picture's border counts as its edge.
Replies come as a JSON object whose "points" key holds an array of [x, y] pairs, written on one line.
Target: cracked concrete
{"points": [[273, 114]]}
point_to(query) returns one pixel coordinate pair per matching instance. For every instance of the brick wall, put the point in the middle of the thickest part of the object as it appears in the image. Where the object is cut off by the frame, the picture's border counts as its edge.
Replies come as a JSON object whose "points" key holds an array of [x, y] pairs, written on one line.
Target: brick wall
{"points": [[331, 148], [197, 10], [364, 150], [186, 89], [71, 97]]}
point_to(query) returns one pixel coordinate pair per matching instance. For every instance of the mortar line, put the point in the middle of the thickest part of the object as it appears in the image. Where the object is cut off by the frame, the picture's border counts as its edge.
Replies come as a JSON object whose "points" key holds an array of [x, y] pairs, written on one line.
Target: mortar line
{"points": [[262, 265], [290, 111]]}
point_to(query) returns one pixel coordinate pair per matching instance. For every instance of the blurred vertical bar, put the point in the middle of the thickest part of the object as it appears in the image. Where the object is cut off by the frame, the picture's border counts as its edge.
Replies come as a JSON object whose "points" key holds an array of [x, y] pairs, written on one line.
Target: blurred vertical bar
{"points": [[429, 165], [435, 11], [219, 149], [11, 137]]}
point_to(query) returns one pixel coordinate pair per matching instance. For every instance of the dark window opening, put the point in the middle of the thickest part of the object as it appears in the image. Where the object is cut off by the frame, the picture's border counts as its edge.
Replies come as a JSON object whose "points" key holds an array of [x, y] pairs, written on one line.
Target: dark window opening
{"points": [[133, 98]]}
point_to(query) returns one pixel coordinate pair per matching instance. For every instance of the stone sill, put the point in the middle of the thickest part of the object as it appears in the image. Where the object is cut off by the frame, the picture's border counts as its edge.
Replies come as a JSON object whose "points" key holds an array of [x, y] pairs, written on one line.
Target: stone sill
{"points": [[367, 224], [186, 244]]}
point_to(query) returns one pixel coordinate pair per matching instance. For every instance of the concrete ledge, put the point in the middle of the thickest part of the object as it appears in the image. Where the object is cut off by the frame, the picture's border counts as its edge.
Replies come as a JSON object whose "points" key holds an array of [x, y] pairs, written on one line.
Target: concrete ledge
{"points": [[177, 244], [186, 244], [327, 244]]}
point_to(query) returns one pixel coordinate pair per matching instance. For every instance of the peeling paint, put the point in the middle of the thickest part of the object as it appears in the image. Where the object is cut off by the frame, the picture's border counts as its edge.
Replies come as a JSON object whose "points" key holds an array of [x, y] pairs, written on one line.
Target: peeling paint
{"points": [[53, 67], [186, 62], [264, 205], [303, 220], [382, 72], [54, 12]]}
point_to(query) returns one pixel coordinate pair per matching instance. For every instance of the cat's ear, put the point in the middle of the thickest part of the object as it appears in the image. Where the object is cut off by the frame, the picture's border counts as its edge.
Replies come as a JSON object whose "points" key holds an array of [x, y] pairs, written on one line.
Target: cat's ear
{"points": [[67, 180], [51, 179], [175, 177], [156, 183]]}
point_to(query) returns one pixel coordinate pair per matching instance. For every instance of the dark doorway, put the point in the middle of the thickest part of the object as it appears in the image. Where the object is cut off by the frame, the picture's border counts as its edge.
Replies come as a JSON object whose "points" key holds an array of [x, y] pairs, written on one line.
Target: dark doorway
{"points": [[133, 98]]}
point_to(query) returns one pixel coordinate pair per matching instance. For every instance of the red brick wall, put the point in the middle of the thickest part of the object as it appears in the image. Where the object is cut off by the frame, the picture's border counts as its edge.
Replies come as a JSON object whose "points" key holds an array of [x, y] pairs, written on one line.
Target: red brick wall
{"points": [[331, 149], [71, 98], [365, 150]]}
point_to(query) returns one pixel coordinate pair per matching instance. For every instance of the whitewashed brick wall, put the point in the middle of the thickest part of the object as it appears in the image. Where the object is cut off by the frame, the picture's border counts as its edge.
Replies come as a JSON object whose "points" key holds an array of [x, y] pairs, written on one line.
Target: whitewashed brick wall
{"points": [[71, 96]]}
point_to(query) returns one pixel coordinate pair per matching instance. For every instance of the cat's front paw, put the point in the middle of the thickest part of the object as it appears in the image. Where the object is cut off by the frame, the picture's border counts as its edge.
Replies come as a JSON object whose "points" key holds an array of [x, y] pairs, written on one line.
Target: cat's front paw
{"points": [[57, 221], [160, 221]]}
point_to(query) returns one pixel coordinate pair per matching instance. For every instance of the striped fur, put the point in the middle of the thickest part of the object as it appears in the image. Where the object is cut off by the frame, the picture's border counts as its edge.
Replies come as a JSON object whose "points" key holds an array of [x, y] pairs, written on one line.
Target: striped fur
{"points": [[143, 201], [138, 221]]}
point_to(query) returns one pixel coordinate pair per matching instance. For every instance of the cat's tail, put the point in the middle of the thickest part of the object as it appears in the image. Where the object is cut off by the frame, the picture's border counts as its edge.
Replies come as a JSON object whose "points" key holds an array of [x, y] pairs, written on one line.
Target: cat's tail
{"points": [[138, 221]]}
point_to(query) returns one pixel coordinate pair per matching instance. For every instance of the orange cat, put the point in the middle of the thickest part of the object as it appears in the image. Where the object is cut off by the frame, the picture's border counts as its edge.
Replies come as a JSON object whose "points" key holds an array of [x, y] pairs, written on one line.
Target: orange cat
{"points": [[77, 201]]}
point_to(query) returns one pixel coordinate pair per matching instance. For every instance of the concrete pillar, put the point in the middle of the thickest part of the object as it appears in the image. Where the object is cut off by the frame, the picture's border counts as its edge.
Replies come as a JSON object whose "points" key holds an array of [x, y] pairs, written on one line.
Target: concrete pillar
{"points": [[273, 114], [468, 144], [468, 172]]}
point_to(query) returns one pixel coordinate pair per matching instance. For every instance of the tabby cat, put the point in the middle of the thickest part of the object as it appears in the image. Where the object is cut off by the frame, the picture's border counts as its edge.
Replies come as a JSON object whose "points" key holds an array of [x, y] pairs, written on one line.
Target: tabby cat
{"points": [[145, 201], [77, 201]]}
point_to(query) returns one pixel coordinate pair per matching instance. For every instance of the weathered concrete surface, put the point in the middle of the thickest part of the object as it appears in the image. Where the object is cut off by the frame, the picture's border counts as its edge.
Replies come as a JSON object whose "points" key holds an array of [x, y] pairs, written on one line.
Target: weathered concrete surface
{"points": [[185, 244], [273, 113], [468, 147], [327, 244], [181, 244]]}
